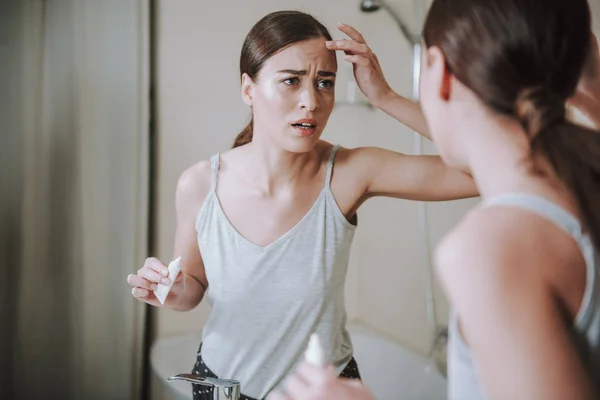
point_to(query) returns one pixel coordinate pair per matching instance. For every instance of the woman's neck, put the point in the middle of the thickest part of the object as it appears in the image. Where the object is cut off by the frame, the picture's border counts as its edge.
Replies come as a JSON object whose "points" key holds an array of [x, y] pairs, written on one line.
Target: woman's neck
{"points": [[274, 169], [497, 154]]}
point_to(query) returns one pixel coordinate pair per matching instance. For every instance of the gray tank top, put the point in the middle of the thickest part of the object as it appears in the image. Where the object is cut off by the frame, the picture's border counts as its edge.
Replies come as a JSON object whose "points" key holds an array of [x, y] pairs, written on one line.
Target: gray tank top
{"points": [[267, 301], [463, 383]]}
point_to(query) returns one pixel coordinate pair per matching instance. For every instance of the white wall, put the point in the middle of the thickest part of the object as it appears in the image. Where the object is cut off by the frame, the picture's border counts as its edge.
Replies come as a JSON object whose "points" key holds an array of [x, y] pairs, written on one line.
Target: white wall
{"points": [[200, 112]]}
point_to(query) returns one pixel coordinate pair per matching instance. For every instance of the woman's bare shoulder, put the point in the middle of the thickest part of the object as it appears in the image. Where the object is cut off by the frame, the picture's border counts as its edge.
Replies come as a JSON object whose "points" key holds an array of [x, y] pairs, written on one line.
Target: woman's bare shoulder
{"points": [[193, 185], [498, 244]]}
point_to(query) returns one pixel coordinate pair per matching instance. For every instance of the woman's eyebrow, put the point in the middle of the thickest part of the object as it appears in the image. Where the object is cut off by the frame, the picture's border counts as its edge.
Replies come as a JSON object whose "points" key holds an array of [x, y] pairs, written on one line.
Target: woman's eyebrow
{"points": [[304, 72]]}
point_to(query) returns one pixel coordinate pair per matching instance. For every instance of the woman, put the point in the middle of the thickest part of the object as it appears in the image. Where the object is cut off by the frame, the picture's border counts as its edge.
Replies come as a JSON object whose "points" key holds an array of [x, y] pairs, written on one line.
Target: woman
{"points": [[264, 230], [522, 271]]}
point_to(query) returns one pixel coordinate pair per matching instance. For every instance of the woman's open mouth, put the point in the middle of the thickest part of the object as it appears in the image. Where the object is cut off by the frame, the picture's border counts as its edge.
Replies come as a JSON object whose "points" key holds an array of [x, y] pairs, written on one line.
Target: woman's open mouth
{"points": [[305, 127]]}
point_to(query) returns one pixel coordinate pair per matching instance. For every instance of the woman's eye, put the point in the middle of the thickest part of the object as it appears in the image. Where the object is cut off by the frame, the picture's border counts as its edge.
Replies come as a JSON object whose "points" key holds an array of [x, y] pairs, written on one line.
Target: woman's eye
{"points": [[326, 84], [291, 81]]}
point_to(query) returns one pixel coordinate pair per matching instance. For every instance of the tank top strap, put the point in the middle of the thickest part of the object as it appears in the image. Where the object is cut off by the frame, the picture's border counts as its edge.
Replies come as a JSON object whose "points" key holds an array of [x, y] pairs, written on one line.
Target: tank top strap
{"points": [[558, 215], [330, 163], [214, 166]]}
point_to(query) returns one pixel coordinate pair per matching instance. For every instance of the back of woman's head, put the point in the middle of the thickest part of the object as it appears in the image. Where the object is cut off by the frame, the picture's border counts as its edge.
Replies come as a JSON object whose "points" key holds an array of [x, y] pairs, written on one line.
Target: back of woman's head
{"points": [[524, 58], [271, 34]]}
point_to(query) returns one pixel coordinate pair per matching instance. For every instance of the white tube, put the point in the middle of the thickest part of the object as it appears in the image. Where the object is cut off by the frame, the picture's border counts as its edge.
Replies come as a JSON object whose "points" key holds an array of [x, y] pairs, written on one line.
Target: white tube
{"points": [[315, 354], [162, 291]]}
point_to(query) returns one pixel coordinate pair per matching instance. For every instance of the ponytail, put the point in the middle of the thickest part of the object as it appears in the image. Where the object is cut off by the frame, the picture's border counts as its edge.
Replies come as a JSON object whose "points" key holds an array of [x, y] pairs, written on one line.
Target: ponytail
{"points": [[573, 151], [245, 135]]}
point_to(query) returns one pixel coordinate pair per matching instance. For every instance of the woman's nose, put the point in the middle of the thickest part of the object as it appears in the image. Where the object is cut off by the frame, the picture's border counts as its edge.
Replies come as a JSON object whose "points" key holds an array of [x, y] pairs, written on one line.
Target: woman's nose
{"points": [[309, 99]]}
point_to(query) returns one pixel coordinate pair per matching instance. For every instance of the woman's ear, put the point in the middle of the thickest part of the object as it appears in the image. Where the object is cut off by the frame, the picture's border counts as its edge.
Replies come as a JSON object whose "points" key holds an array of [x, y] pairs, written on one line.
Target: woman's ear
{"points": [[440, 73], [247, 89]]}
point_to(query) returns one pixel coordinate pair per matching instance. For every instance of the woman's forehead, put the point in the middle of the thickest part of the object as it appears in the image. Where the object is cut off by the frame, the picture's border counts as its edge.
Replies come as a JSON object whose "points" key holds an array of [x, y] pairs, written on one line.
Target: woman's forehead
{"points": [[300, 55]]}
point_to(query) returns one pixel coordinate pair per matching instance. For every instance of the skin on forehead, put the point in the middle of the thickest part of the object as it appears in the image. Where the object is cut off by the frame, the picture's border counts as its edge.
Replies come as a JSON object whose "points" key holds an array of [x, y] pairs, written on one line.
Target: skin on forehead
{"points": [[310, 56]]}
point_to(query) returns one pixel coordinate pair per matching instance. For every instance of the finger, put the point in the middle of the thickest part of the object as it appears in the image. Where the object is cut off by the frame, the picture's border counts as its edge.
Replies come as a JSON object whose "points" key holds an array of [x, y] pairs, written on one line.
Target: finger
{"points": [[358, 60], [140, 293], [153, 276], [315, 375], [296, 387], [138, 281], [348, 46], [277, 395], [352, 32], [156, 265], [355, 383]]}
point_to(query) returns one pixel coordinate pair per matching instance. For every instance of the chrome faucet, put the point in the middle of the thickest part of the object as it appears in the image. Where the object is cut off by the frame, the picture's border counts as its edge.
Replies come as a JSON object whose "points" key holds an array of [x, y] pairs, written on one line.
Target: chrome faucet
{"points": [[223, 389]]}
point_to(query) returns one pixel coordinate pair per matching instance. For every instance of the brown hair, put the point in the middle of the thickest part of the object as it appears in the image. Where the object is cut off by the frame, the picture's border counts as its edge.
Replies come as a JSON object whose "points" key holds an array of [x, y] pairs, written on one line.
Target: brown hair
{"points": [[524, 58], [271, 34]]}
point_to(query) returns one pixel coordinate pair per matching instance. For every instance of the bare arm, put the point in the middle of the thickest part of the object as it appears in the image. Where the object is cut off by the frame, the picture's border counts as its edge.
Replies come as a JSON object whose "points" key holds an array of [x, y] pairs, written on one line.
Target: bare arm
{"points": [[407, 112], [192, 188], [190, 284], [391, 174], [508, 314]]}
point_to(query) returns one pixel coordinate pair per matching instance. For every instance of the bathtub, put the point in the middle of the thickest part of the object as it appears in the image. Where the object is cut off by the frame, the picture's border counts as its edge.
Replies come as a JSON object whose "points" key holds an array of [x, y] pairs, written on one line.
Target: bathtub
{"points": [[390, 371]]}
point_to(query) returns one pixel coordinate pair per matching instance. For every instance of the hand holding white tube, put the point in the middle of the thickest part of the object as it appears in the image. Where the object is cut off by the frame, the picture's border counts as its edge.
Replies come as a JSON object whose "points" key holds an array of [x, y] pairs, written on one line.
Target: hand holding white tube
{"points": [[315, 380]]}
